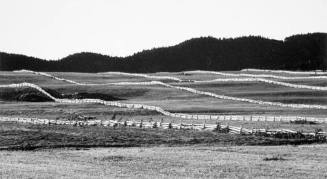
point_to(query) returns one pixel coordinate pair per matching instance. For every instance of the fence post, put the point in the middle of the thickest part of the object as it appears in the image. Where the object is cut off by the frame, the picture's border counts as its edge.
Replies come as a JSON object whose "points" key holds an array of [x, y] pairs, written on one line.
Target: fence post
{"points": [[161, 121], [227, 127], [192, 124], [155, 125], [267, 128], [305, 119], [133, 123], [114, 125], [217, 126], [125, 123]]}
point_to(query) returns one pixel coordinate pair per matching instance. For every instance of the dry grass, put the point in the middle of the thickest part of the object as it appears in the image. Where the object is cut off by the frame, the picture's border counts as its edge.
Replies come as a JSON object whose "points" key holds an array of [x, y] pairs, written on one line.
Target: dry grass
{"points": [[211, 155], [15, 136], [168, 162], [169, 99], [181, 101]]}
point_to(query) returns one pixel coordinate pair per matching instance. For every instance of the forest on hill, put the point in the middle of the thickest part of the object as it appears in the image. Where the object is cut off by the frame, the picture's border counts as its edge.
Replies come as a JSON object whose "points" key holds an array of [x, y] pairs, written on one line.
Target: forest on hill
{"points": [[297, 52]]}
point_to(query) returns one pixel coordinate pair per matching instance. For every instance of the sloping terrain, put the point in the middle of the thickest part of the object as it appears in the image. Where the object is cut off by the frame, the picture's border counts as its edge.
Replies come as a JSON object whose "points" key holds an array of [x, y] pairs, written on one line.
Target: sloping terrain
{"points": [[297, 52]]}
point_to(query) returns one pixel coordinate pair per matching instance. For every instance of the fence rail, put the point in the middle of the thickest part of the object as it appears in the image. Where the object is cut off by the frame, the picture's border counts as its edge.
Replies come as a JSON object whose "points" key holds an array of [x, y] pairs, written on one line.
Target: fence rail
{"points": [[162, 111], [147, 124]]}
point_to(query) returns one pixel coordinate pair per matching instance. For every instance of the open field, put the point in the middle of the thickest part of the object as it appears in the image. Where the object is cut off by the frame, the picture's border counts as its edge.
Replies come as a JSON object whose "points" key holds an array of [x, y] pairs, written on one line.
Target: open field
{"points": [[167, 98], [169, 162], [16, 136], [157, 152]]}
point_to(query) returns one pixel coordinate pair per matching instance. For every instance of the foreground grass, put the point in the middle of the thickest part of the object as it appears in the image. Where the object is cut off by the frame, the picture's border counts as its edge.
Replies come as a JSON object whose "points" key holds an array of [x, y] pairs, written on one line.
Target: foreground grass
{"points": [[168, 162]]}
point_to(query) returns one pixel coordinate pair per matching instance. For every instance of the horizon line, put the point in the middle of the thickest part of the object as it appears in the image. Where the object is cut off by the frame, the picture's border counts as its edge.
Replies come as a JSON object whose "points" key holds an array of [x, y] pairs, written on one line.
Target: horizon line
{"points": [[158, 47]]}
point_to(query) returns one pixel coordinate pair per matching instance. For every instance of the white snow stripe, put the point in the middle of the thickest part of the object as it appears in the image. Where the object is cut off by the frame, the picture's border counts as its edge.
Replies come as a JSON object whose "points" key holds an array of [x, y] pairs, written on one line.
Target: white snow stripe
{"points": [[288, 72], [317, 88], [160, 110], [255, 75], [299, 106], [143, 75]]}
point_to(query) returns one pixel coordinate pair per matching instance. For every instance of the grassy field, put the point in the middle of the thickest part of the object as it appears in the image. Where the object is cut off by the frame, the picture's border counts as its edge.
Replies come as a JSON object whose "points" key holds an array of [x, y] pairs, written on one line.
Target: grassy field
{"points": [[169, 99], [195, 161], [17, 136], [50, 151]]}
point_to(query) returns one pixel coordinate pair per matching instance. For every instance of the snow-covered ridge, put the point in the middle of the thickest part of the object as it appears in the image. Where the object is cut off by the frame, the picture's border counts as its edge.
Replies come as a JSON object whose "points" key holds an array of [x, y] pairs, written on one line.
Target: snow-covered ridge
{"points": [[178, 115], [316, 88], [288, 72], [298, 106], [253, 78], [143, 75], [85, 84], [255, 75]]}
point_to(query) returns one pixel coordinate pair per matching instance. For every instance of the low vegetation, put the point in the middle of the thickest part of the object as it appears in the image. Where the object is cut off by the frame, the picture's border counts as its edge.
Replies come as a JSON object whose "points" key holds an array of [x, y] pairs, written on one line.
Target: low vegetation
{"points": [[196, 161], [15, 136], [26, 94], [32, 95], [303, 121], [274, 158]]}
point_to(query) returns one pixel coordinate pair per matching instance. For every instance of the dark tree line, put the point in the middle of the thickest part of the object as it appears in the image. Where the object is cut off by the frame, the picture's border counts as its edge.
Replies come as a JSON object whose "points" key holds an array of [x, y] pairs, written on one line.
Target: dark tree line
{"points": [[298, 52]]}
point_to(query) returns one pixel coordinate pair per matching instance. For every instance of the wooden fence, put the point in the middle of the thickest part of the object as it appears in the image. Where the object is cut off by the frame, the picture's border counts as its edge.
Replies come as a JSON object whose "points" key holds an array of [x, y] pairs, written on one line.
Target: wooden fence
{"points": [[164, 112], [163, 125]]}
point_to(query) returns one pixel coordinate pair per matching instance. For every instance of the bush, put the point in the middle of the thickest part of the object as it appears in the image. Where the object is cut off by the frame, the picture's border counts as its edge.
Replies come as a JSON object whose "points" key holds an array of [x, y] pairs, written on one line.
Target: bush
{"points": [[274, 158], [303, 121]]}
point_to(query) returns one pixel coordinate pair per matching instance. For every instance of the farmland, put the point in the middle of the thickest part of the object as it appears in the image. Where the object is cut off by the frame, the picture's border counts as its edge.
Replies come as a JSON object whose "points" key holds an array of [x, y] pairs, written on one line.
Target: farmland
{"points": [[169, 162], [167, 98], [128, 89]]}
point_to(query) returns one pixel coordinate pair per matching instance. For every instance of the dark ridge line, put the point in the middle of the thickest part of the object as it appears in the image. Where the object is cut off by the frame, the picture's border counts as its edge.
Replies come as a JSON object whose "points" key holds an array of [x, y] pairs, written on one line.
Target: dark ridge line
{"points": [[297, 52]]}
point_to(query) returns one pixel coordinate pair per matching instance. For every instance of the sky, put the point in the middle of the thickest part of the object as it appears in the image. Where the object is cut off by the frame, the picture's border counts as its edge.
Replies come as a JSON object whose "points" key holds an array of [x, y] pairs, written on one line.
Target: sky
{"points": [[52, 29]]}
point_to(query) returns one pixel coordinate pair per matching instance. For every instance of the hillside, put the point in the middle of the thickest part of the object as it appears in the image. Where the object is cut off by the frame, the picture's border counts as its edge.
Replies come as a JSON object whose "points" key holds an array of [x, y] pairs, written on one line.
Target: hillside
{"points": [[298, 52]]}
